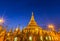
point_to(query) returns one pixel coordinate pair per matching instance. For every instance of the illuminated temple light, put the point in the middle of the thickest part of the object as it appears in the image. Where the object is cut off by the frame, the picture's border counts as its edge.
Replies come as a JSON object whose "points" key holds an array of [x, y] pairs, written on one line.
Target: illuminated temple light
{"points": [[49, 37], [17, 29], [52, 38], [1, 20], [30, 38], [41, 37], [51, 26], [15, 39], [8, 34], [46, 38]]}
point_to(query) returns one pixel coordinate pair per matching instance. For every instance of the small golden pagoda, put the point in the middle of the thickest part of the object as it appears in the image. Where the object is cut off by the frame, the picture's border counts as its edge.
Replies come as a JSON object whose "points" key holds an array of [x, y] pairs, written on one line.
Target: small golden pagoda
{"points": [[2, 33], [17, 34], [9, 35]]}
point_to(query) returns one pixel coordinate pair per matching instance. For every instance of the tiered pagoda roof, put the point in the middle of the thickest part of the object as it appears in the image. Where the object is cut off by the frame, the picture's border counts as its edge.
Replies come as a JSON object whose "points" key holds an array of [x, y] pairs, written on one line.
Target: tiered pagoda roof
{"points": [[32, 24]]}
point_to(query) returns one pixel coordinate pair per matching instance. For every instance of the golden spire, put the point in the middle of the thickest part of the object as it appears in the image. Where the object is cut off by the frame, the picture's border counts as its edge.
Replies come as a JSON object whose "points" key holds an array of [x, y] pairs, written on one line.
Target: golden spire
{"points": [[32, 20]]}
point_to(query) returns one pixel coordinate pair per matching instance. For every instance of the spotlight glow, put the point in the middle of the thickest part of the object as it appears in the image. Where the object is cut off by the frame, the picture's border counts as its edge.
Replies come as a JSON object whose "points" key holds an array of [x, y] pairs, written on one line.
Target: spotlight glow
{"points": [[1, 20]]}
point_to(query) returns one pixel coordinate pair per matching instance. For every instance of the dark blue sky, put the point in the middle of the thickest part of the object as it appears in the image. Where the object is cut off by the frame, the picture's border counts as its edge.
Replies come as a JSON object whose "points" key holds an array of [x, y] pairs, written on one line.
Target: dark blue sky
{"points": [[19, 12]]}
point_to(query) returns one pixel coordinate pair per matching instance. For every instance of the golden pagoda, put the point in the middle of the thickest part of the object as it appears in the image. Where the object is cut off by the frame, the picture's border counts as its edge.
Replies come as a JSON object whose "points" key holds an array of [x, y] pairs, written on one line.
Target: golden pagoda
{"points": [[32, 29], [9, 35], [32, 26], [17, 34], [2, 33]]}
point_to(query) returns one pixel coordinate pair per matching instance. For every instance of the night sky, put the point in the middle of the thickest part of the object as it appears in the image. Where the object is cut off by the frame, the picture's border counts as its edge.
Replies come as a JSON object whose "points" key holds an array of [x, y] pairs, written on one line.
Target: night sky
{"points": [[17, 12]]}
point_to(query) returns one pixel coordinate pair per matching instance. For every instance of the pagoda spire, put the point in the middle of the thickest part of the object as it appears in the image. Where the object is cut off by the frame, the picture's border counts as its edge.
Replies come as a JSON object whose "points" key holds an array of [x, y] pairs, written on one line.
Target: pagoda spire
{"points": [[32, 20]]}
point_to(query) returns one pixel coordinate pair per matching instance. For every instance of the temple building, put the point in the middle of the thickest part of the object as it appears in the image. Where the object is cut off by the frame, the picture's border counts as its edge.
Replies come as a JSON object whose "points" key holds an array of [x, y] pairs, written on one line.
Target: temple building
{"points": [[32, 32]]}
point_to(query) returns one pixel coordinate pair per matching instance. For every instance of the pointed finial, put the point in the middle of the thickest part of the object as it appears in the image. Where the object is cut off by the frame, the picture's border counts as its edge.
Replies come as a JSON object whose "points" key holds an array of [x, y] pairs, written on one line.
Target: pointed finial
{"points": [[32, 20], [32, 13], [32, 17]]}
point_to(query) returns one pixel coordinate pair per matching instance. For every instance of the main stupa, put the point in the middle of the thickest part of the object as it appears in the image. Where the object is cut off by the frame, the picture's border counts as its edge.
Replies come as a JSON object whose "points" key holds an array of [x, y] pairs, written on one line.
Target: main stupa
{"points": [[32, 26]]}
